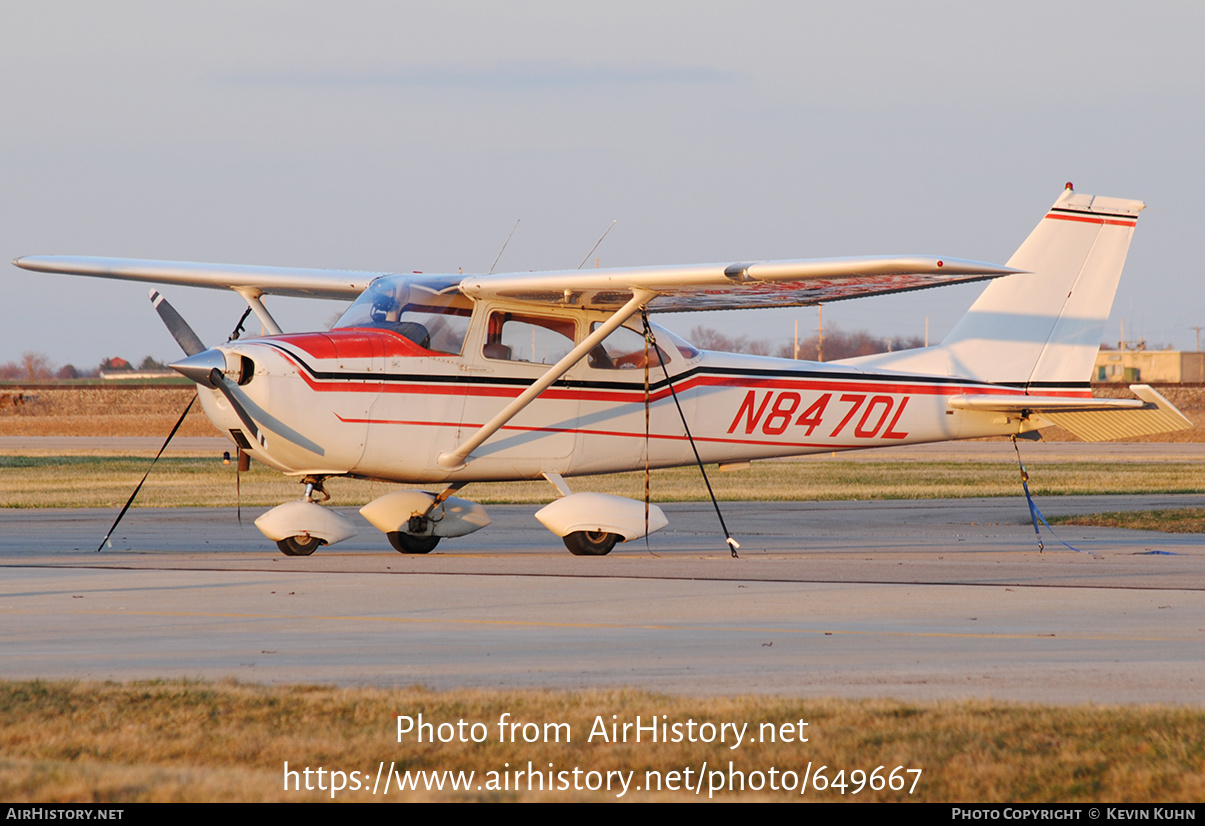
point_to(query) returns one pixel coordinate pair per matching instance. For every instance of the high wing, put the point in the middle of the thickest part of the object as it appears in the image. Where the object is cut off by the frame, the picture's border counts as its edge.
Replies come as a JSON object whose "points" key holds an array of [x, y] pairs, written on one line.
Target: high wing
{"points": [[734, 286], [675, 288], [291, 281]]}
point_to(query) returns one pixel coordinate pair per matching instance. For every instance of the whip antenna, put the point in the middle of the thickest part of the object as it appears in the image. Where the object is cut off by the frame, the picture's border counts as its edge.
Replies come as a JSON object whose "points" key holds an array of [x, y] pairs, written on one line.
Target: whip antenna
{"points": [[504, 243], [599, 241]]}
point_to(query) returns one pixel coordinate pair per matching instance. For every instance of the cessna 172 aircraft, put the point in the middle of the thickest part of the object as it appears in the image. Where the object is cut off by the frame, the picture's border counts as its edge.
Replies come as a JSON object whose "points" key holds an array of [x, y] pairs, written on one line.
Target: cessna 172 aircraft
{"points": [[443, 380]]}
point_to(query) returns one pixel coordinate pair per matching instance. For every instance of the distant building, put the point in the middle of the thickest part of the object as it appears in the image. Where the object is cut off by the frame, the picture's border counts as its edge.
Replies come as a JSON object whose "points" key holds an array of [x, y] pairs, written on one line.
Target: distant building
{"points": [[1147, 366], [115, 363], [137, 375]]}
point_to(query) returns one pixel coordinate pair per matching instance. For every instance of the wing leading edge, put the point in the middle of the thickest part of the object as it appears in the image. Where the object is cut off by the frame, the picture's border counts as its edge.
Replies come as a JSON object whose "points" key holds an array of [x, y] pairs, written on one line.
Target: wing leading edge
{"points": [[290, 281]]}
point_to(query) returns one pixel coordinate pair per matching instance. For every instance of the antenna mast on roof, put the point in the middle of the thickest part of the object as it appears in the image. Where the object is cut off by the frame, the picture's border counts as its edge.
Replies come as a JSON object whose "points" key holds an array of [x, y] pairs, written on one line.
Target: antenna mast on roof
{"points": [[504, 243], [593, 248]]}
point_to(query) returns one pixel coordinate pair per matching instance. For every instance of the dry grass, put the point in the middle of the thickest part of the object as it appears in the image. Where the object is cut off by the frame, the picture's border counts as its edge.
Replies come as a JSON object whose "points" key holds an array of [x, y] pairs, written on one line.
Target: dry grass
{"points": [[105, 481], [180, 741], [100, 410], [1177, 520]]}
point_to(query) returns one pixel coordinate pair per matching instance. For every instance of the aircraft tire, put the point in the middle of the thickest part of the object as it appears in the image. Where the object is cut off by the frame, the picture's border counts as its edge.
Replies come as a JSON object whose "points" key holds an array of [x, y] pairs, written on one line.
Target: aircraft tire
{"points": [[406, 543], [299, 545], [590, 543]]}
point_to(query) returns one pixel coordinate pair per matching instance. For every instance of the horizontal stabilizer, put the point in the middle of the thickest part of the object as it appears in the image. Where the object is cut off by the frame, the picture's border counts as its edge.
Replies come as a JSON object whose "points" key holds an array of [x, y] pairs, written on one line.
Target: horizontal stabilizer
{"points": [[1093, 420], [1043, 404]]}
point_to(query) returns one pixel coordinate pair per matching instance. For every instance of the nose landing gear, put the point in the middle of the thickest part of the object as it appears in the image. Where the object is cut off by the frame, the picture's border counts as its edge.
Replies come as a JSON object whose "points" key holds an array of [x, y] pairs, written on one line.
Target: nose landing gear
{"points": [[300, 528]]}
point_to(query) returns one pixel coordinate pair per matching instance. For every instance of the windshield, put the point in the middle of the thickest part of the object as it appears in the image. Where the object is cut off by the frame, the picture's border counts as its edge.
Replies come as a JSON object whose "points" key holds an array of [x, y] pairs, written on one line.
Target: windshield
{"points": [[688, 350], [429, 311]]}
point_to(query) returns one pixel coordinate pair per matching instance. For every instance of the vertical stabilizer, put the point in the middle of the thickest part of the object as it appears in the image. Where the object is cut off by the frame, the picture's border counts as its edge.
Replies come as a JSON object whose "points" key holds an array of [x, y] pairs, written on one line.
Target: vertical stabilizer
{"points": [[1040, 329], [1043, 328]]}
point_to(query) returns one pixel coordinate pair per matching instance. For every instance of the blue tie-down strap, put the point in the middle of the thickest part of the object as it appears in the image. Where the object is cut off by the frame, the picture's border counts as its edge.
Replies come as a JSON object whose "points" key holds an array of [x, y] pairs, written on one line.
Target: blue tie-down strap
{"points": [[1036, 514]]}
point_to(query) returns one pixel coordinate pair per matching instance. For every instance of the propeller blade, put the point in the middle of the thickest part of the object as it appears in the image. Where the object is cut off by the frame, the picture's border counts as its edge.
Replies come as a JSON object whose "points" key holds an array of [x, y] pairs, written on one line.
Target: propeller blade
{"points": [[176, 325], [219, 381]]}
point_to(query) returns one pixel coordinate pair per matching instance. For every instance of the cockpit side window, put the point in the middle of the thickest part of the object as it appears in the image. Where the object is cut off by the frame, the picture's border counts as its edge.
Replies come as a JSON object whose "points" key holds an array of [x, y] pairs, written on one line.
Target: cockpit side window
{"points": [[533, 339]]}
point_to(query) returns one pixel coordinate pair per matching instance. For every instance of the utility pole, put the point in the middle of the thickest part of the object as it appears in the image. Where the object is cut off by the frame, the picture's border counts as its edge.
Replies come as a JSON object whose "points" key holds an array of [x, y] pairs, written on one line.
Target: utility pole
{"points": [[820, 332], [1198, 332]]}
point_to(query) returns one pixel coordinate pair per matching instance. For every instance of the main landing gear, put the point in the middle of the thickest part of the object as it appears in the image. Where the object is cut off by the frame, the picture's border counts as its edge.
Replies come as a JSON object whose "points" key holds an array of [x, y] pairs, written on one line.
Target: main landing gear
{"points": [[406, 543], [590, 543], [299, 545], [415, 520], [591, 524]]}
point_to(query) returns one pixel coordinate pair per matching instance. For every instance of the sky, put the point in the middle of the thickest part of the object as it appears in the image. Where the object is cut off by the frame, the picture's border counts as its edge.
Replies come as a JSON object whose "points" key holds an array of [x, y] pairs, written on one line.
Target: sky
{"points": [[399, 136]]}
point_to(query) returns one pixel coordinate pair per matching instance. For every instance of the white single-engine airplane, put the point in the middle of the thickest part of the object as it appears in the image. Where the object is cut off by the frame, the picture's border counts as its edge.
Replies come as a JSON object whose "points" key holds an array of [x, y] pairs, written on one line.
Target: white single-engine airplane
{"points": [[450, 379]]}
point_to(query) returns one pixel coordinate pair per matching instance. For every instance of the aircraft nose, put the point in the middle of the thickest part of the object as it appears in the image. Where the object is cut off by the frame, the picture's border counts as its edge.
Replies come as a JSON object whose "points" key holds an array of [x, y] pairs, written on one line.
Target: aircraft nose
{"points": [[200, 367]]}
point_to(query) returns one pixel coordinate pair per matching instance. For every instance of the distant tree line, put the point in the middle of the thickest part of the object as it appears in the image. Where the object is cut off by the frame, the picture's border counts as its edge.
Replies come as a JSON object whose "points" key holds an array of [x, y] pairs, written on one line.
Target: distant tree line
{"points": [[38, 367], [836, 344]]}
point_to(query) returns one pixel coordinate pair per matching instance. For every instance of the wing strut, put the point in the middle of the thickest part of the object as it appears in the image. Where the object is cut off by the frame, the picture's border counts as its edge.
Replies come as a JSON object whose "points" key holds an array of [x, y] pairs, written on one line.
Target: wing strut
{"points": [[458, 458], [252, 297]]}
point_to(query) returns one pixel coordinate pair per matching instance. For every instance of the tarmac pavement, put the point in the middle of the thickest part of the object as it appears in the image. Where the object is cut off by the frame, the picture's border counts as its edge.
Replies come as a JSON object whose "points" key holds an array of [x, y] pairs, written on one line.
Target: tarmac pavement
{"points": [[934, 599]]}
